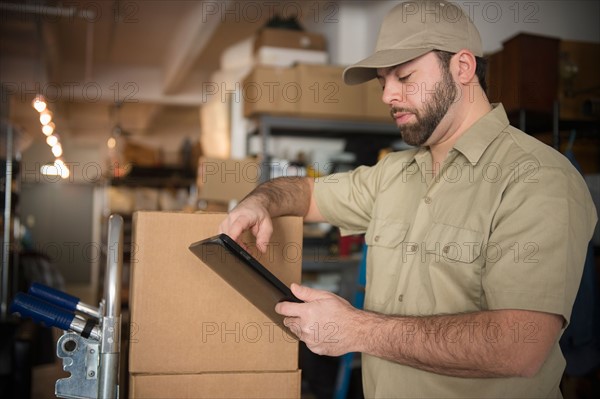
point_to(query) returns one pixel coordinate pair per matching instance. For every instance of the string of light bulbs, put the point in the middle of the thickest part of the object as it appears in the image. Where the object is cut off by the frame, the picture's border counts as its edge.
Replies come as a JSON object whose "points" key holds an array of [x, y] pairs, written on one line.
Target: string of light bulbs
{"points": [[58, 168]]}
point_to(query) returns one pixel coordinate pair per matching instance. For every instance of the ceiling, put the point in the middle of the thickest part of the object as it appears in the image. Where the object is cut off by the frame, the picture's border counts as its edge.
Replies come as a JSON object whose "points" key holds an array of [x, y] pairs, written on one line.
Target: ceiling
{"points": [[137, 63]]}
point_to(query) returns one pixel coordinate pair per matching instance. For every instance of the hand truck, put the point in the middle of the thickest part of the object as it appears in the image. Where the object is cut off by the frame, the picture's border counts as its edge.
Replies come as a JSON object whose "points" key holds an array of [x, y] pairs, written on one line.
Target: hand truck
{"points": [[91, 342]]}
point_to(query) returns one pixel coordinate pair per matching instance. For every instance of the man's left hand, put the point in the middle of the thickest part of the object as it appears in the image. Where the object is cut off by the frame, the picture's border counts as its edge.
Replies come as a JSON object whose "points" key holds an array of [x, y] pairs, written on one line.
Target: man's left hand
{"points": [[327, 323]]}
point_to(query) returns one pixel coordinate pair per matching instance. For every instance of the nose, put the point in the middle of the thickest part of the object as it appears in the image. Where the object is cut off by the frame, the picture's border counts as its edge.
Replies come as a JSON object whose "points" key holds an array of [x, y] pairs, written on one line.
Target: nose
{"points": [[392, 92]]}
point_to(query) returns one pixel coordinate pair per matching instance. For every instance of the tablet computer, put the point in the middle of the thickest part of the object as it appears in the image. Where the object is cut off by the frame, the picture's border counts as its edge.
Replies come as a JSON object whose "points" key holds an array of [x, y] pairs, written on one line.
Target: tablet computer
{"points": [[244, 273]]}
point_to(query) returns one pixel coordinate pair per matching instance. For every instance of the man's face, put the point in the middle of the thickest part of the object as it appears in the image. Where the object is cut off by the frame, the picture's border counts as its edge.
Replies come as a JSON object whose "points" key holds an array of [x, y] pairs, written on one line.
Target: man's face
{"points": [[420, 93]]}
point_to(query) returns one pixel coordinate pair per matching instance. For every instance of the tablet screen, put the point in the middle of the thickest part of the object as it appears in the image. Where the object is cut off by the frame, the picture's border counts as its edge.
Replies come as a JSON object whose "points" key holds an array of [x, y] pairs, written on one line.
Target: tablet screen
{"points": [[244, 273]]}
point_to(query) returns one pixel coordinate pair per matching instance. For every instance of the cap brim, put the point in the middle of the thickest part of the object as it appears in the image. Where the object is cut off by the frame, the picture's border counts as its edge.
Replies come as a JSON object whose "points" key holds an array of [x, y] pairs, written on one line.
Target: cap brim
{"points": [[366, 69]]}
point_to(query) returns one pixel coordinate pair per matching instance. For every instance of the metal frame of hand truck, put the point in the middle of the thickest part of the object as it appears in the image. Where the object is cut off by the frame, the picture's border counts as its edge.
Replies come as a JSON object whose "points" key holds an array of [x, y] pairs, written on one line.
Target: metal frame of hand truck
{"points": [[90, 346]]}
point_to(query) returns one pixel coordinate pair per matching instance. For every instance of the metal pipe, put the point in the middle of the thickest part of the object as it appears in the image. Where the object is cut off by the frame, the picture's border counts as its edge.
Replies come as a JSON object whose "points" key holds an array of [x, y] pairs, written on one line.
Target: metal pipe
{"points": [[6, 239], [89, 51], [114, 264], [111, 323], [556, 125], [49, 10], [265, 133], [85, 329], [89, 310]]}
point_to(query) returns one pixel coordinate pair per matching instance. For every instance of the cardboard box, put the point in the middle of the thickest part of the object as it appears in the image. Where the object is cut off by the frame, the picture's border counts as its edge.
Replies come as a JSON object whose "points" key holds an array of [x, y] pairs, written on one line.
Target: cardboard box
{"points": [[325, 94], [185, 319], [304, 90], [223, 180], [288, 57], [283, 385], [271, 90], [286, 38]]}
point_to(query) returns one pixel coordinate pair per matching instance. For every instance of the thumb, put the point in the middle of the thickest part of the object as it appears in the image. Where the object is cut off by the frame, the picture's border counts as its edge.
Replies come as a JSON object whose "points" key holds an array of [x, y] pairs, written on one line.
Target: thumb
{"points": [[308, 294], [263, 231]]}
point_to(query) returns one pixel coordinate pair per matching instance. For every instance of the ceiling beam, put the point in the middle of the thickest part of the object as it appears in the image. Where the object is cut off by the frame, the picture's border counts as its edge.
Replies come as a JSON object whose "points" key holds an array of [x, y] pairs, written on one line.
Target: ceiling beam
{"points": [[189, 42], [51, 51]]}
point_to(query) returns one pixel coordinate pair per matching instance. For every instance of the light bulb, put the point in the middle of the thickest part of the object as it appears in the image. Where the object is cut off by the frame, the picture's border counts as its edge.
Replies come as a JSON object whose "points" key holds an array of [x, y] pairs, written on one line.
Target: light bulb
{"points": [[62, 168], [49, 170], [64, 173], [45, 117], [52, 140], [57, 150], [39, 103], [48, 129], [111, 143]]}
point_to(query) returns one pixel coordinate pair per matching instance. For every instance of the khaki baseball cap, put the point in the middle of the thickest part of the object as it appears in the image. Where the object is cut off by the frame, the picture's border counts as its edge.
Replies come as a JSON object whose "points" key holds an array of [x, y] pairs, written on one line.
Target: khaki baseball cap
{"points": [[412, 29]]}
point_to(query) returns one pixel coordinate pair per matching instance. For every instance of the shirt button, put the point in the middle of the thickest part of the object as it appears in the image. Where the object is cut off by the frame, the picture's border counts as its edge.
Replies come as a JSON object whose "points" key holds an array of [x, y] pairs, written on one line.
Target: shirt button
{"points": [[427, 200], [412, 248], [446, 249], [376, 238], [400, 298]]}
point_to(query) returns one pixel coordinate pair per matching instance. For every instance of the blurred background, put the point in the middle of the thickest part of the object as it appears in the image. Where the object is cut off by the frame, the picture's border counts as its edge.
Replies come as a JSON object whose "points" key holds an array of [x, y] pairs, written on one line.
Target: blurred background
{"points": [[114, 106]]}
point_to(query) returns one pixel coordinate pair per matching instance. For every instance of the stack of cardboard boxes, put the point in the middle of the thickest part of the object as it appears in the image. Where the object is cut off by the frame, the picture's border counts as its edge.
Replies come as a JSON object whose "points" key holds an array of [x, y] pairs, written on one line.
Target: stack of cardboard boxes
{"points": [[283, 47], [313, 91], [193, 335], [292, 77]]}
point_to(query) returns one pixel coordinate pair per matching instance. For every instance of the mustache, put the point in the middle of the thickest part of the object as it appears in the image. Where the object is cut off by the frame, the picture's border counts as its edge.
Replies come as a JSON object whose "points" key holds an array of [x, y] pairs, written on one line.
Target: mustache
{"points": [[395, 110]]}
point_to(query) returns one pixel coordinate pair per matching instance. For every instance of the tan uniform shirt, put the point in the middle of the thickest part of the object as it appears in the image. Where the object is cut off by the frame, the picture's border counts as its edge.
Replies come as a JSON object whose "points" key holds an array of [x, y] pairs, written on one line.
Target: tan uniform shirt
{"points": [[503, 225]]}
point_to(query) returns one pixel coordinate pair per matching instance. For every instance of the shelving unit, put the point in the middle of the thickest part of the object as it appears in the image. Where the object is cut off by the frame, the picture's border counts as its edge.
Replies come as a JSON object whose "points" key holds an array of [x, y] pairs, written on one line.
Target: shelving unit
{"points": [[295, 126], [541, 100], [156, 177], [271, 126], [317, 261], [17, 338], [10, 137]]}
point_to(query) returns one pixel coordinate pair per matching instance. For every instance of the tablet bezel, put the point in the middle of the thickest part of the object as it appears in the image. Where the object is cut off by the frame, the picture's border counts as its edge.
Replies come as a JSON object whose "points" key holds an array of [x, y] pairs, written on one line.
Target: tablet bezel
{"points": [[245, 274]]}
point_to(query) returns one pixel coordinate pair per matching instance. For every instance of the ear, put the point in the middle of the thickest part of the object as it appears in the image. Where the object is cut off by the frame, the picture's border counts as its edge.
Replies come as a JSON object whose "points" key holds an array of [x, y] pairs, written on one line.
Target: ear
{"points": [[466, 65]]}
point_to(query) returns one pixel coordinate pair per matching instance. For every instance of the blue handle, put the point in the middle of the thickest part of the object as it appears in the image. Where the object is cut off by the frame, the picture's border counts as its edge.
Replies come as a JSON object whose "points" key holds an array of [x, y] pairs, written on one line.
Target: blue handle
{"points": [[41, 311], [55, 297]]}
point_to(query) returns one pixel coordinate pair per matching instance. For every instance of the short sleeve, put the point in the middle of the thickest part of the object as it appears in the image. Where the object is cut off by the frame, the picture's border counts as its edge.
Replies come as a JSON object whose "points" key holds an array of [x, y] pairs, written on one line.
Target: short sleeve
{"points": [[346, 199], [536, 250]]}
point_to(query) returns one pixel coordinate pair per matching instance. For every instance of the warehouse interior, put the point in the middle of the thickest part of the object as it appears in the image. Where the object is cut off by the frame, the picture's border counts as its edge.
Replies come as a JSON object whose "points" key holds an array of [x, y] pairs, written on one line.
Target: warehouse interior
{"points": [[170, 110]]}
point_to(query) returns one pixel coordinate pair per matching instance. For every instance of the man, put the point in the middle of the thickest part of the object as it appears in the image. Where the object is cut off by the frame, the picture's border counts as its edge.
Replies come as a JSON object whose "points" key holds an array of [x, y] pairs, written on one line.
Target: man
{"points": [[476, 240]]}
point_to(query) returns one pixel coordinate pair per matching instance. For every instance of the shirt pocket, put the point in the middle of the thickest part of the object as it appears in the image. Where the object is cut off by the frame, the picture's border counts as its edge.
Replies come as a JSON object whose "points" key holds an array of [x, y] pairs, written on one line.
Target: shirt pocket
{"points": [[384, 238], [453, 271], [454, 244]]}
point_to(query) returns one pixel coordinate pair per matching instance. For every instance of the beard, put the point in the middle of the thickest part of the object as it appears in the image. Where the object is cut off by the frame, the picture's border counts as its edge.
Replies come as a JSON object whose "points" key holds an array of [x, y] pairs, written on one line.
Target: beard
{"points": [[430, 116]]}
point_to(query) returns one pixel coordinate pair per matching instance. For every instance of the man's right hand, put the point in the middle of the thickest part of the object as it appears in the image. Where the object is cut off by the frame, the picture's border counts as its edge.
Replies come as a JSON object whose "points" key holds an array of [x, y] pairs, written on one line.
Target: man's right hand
{"points": [[278, 197], [250, 214]]}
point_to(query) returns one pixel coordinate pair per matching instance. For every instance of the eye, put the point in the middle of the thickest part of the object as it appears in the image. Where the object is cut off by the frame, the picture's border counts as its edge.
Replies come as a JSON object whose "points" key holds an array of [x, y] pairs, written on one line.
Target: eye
{"points": [[404, 79]]}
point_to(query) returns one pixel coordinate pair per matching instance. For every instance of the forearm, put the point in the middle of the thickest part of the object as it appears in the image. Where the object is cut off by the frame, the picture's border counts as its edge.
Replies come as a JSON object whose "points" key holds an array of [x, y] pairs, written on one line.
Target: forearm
{"points": [[284, 196], [479, 344]]}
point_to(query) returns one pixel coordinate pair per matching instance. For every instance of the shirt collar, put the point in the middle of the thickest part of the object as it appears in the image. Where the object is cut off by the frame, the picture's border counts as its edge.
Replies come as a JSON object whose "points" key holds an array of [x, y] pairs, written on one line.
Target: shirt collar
{"points": [[478, 137], [473, 143]]}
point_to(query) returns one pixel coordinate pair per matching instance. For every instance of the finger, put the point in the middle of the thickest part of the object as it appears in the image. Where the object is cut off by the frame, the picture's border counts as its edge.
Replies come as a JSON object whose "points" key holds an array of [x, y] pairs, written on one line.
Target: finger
{"points": [[235, 231], [308, 294], [289, 309], [223, 227], [293, 324], [263, 235], [236, 228]]}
